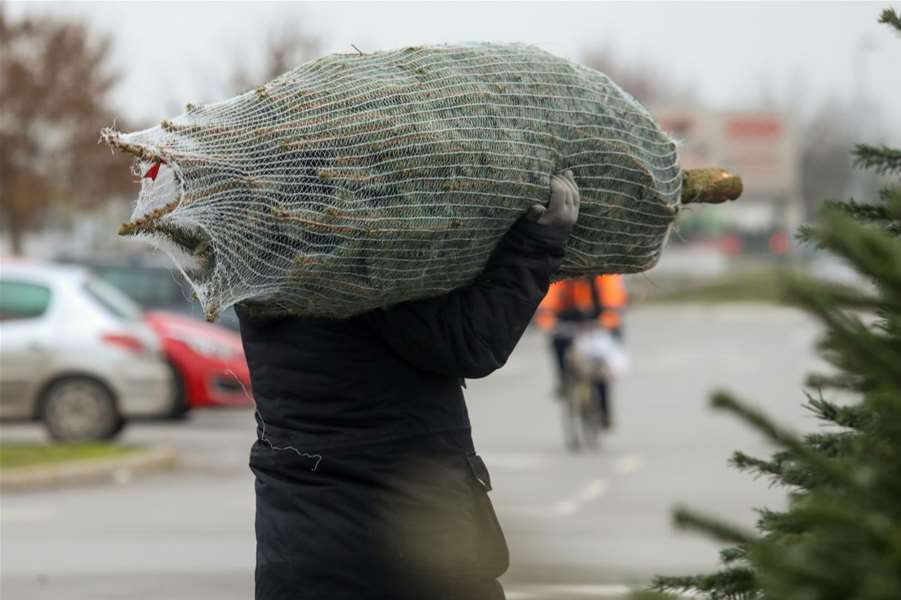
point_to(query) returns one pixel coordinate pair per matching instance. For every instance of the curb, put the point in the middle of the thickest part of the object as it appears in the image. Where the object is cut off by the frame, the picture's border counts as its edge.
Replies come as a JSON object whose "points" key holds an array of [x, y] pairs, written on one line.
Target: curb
{"points": [[86, 472]]}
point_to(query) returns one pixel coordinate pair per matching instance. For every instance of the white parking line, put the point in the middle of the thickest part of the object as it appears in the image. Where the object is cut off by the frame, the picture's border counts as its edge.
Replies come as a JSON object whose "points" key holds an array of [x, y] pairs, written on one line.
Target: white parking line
{"points": [[628, 464], [592, 491], [567, 506]]}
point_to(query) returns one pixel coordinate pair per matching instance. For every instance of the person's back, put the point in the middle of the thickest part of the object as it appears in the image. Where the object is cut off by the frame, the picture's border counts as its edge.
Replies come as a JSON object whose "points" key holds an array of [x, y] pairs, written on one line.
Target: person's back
{"points": [[340, 384], [573, 304], [368, 485], [599, 298]]}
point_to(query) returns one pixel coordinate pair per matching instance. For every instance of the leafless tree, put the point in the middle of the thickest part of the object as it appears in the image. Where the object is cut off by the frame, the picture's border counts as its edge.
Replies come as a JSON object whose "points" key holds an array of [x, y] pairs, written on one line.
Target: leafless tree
{"points": [[54, 99], [646, 82], [285, 49], [826, 133], [825, 155]]}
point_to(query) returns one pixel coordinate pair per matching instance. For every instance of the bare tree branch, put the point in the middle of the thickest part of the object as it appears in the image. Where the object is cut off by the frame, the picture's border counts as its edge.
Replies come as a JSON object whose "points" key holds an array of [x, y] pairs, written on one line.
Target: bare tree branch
{"points": [[54, 98]]}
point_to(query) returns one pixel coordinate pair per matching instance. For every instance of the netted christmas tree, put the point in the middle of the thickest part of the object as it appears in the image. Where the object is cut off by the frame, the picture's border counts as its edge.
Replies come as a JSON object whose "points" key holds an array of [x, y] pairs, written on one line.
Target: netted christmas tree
{"points": [[840, 537], [357, 181]]}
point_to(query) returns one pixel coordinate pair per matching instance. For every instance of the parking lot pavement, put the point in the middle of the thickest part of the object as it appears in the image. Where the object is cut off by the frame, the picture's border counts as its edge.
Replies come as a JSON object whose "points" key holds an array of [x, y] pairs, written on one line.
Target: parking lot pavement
{"points": [[578, 526]]}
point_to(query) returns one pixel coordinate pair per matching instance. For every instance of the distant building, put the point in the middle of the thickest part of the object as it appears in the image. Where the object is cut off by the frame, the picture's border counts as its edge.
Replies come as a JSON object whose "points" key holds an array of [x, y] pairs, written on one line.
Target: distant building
{"points": [[761, 147]]}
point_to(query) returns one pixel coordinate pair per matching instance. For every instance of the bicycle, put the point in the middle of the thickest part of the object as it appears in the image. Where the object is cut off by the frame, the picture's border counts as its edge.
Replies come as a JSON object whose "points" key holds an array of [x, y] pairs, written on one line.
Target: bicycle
{"points": [[593, 357]]}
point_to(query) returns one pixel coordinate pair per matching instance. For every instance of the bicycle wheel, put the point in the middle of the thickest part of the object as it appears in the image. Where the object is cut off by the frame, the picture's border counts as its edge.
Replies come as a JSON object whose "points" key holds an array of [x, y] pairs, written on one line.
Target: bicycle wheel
{"points": [[569, 415], [590, 418]]}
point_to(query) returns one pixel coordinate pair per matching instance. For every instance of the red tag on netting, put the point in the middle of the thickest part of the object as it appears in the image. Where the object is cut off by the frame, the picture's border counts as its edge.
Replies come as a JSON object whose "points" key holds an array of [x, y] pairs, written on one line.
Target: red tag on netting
{"points": [[153, 171]]}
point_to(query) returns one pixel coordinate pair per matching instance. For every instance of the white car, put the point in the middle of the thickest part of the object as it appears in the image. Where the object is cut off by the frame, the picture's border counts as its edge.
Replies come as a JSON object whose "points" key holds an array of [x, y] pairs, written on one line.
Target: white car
{"points": [[75, 353]]}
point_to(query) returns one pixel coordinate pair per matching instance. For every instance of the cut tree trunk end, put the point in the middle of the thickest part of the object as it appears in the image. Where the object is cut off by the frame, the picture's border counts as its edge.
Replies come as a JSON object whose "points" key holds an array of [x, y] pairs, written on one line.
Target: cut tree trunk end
{"points": [[710, 186]]}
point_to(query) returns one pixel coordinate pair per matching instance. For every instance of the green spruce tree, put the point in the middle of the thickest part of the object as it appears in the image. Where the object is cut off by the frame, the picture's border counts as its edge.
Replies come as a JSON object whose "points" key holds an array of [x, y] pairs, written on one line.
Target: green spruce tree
{"points": [[840, 537]]}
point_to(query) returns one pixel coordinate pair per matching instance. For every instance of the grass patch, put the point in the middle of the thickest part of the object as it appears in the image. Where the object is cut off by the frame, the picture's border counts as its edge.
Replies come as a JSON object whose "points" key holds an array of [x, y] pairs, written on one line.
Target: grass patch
{"points": [[759, 285], [17, 456]]}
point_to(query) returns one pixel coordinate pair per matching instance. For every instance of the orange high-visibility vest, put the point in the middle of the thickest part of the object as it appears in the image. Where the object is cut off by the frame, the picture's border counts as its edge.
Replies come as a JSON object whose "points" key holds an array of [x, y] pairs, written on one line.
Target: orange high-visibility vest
{"points": [[576, 294]]}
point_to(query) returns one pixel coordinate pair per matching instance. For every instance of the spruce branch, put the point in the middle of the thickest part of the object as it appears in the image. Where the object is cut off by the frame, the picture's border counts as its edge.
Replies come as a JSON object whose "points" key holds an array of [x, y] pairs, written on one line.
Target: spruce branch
{"points": [[806, 234], [833, 444], [881, 215], [688, 519], [732, 583], [783, 437], [784, 470], [759, 467], [877, 256], [891, 196], [868, 249], [859, 210], [882, 160], [860, 349], [725, 401], [838, 381], [891, 18], [851, 417], [887, 218], [840, 535], [845, 296], [733, 554], [843, 514], [652, 595], [779, 523]]}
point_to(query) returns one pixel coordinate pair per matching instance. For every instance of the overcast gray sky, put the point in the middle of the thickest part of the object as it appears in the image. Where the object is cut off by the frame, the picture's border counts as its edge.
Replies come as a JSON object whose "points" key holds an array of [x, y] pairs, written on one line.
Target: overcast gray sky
{"points": [[729, 51]]}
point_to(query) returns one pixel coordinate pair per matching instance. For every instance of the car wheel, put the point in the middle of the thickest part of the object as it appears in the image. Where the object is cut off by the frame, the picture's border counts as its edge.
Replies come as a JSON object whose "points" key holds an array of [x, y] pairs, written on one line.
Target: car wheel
{"points": [[114, 433], [179, 408], [80, 409]]}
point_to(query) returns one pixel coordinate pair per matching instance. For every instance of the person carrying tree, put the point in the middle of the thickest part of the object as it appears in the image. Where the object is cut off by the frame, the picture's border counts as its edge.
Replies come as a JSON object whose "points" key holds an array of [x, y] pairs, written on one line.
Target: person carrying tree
{"points": [[367, 482]]}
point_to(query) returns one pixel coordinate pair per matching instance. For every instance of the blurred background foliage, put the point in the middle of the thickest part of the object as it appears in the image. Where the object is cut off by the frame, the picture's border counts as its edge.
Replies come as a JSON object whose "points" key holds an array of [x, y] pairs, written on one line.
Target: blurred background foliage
{"points": [[55, 83]]}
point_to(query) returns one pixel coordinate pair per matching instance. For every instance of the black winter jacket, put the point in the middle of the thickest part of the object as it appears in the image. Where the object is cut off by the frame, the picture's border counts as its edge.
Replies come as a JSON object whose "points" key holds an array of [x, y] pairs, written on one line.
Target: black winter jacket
{"points": [[367, 483]]}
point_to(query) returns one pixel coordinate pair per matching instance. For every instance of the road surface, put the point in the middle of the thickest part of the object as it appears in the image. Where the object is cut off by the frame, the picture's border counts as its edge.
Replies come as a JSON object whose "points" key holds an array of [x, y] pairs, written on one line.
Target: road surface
{"points": [[578, 526]]}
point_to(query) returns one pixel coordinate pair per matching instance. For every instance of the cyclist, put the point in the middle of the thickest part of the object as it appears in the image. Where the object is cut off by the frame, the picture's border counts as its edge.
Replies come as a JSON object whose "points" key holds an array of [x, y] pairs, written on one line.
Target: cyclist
{"points": [[572, 303]]}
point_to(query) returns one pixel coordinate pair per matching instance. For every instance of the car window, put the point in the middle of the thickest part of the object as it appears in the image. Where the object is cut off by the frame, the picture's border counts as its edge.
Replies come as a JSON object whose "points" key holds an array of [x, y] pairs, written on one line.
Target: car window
{"points": [[112, 299], [22, 300], [151, 288]]}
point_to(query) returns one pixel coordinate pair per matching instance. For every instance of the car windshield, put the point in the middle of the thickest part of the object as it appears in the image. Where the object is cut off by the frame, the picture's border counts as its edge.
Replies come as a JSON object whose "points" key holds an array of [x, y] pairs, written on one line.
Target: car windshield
{"points": [[112, 299], [148, 286]]}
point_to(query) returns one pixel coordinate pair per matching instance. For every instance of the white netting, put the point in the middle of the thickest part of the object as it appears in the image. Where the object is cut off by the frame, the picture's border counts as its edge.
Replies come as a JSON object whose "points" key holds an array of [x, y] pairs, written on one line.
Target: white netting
{"points": [[358, 181]]}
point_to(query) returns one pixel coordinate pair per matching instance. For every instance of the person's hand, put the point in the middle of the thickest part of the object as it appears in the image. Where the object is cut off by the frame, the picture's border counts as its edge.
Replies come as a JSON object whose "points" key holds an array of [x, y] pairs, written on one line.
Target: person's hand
{"points": [[563, 208]]}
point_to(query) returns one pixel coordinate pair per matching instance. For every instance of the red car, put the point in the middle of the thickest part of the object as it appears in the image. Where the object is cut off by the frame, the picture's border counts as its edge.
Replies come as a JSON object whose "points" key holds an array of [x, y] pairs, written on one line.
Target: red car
{"points": [[208, 361]]}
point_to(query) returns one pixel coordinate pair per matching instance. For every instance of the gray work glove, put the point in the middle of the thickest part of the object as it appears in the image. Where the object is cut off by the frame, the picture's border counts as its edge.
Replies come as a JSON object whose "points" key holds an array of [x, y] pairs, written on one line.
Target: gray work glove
{"points": [[563, 208]]}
